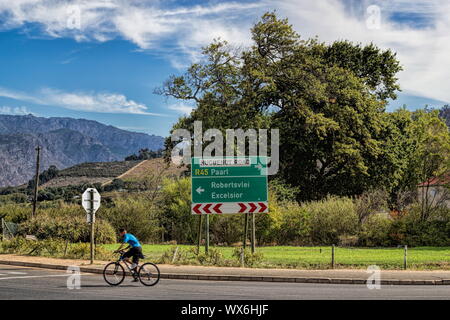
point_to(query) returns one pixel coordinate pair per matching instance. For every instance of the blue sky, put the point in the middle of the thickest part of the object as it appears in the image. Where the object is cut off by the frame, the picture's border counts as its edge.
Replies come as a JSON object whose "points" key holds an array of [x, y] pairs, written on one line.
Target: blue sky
{"points": [[102, 59]]}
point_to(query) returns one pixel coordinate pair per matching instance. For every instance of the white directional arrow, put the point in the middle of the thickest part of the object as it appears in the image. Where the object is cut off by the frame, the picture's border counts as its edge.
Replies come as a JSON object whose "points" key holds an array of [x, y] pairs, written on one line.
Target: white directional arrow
{"points": [[259, 166], [200, 190]]}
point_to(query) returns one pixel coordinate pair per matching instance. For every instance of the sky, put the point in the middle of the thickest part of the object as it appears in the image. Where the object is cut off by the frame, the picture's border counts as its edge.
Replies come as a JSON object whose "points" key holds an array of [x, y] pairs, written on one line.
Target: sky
{"points": [[102, 59]]}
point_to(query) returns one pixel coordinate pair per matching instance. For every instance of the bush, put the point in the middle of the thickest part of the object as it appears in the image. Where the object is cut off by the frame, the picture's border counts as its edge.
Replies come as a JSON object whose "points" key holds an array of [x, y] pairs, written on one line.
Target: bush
{"points": [[137, 215], [179, 255], [175, 211], [225, 230], [14, 212], [375, 231], [55, 248], [413, 231], [331, 218], [70, 226], [295, 225], [250, 259]]}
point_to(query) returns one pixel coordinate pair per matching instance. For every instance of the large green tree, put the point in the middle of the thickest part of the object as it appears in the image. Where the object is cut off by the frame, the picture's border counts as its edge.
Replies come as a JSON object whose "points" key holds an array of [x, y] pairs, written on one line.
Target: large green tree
{"points": [[327, 100]]}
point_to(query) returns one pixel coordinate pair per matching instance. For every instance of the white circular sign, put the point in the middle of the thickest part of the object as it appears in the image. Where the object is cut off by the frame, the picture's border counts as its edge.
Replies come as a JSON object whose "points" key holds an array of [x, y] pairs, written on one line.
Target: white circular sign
{"points": [[91, 200]]}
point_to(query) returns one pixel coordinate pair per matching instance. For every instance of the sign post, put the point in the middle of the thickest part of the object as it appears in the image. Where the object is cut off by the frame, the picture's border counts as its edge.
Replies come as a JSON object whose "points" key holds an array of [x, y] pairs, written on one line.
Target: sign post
{"points": [[229, 185], [90, 201]]}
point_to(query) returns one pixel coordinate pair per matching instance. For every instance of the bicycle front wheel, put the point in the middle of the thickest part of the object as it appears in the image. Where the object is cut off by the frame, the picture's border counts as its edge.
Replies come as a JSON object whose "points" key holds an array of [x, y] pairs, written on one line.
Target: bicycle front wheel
{"points": [[114, 273], [149, 274]]}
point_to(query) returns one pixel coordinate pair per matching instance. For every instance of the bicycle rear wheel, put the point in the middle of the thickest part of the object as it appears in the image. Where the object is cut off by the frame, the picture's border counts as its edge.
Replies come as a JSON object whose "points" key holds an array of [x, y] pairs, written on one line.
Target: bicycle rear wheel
{"points": [[149, 274], [114, 273]]}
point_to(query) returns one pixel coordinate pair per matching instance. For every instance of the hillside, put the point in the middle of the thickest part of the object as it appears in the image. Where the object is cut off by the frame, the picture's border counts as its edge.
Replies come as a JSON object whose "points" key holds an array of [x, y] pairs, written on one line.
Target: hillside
{"points": [[106, 172], [90, 173], [65, 142]]}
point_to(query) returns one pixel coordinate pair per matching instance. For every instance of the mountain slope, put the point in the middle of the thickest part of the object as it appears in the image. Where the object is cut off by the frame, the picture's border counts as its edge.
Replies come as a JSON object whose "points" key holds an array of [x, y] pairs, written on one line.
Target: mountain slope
{"points": [[65, 142]]}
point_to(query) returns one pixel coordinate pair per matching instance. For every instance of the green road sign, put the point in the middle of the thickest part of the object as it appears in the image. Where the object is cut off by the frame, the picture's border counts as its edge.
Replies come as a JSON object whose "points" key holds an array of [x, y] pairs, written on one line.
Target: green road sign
{"points": [[229, 185]]}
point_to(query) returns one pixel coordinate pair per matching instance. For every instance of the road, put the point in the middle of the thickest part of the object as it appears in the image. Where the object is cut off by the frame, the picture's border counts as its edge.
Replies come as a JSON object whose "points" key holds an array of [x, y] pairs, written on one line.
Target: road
{"points": [[31, 283]]}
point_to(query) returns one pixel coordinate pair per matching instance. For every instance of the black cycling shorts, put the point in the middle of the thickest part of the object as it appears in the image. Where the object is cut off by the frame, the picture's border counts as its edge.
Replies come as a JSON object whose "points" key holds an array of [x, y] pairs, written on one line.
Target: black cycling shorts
{"points": [[135, 252]]}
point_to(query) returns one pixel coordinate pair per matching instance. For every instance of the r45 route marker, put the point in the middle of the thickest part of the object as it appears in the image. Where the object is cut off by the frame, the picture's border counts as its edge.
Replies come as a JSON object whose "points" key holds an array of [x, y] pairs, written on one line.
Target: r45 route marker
{"points": [[229, 185]]}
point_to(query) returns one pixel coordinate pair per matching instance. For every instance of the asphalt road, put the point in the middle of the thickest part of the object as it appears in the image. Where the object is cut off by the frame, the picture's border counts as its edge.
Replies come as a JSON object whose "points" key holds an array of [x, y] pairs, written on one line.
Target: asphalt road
{"points": [[31, 283]]}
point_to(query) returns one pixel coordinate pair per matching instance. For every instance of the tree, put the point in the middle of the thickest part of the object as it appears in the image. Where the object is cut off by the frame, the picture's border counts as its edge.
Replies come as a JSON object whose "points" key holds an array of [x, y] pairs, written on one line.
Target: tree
{"points": [[444, 114], [327, 100]]}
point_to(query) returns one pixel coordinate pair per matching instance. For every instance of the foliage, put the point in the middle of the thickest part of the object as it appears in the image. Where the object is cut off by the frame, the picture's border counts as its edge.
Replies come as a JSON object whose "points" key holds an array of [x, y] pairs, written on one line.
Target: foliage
{"points": [[67, 223], [327, 100], [444, 114], [175, 211], [145, 154], [250, 259], [375, 231], [53, 248], [331, 218], [371, 202], [136, 214], [295, 225], [15, 212]]}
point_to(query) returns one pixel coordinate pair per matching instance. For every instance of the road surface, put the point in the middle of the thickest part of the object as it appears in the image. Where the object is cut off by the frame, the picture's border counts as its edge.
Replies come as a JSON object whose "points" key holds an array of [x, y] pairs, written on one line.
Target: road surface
{"points": [[31, 283]]}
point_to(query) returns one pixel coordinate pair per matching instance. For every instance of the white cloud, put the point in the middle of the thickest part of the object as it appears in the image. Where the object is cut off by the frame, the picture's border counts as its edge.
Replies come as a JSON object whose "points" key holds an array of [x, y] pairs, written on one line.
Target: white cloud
{"points": [[15, 110], [179, 31], [103, 102], [422, 51], [181, 108]]}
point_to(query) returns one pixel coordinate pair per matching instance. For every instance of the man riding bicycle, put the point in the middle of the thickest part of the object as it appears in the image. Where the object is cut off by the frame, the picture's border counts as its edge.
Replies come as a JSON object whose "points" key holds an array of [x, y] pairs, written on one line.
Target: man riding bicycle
{"points": [[135, 250]]}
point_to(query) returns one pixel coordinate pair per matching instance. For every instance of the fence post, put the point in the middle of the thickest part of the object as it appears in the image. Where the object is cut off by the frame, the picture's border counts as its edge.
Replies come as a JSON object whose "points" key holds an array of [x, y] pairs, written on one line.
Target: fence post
{"points": [[175, 255], [332, 256], [242, 257], [405, 258]]}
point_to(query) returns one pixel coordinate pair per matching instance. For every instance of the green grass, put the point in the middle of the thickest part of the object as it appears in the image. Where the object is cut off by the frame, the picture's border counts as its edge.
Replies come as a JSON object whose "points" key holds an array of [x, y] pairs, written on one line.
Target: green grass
{"points": [[421, 258]]}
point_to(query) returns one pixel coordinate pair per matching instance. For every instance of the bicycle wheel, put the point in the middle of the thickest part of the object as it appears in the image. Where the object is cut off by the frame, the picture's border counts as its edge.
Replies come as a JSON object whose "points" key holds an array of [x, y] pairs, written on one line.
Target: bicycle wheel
{"points": [[149, 274], [114, 273]]}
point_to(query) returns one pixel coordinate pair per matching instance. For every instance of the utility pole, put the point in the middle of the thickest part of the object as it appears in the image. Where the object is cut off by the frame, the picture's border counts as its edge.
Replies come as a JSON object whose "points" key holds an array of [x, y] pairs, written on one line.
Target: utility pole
{"points": [[36, 181]]}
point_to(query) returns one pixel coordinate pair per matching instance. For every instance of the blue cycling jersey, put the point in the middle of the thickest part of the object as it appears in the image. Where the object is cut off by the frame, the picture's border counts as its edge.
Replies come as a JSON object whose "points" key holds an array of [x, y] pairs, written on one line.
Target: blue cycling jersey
{"points": [[131, 240]]}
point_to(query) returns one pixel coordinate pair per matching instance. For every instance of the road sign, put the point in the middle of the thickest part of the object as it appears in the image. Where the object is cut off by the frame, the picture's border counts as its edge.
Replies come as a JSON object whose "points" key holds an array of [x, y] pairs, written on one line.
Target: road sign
{"points": [[229, 185], [91, 200]]}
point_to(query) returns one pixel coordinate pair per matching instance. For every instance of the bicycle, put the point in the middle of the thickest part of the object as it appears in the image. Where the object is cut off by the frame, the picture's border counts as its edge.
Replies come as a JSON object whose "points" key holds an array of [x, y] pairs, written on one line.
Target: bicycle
{"points": [[114, 273]]}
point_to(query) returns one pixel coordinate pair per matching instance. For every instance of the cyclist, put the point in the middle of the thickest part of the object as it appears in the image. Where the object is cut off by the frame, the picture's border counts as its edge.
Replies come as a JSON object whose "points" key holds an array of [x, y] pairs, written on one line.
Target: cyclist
{"points": [[135, 250]]}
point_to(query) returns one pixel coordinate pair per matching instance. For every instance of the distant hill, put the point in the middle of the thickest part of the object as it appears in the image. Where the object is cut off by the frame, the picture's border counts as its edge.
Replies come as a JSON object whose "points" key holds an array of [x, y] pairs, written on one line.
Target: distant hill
{"points": [[65, 142], [90, 173], [106, 172]]}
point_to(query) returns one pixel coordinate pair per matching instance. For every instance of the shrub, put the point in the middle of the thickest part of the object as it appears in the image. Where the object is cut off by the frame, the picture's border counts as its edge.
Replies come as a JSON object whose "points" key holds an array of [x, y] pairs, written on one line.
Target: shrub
{"points": [[14, 212], [375, 231], [225, 230], [175, 211], [83, 251], [70, 226], [295, 225], [138, 215], [250, 259], [55, 248], [331, 218]]}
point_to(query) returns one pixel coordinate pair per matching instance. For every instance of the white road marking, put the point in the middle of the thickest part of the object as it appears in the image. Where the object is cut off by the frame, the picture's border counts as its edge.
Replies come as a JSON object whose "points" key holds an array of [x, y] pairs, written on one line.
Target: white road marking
{"points": [[44, 276], [16, 272]]}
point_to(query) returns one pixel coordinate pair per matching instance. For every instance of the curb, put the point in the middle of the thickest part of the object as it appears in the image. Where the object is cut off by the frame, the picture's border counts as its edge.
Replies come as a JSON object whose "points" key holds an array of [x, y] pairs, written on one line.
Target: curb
{"points": [[180, 276]]}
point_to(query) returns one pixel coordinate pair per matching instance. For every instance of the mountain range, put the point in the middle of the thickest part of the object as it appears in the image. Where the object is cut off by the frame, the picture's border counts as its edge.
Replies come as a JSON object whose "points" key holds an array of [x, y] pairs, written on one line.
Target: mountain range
{"points": [[64, 142]]}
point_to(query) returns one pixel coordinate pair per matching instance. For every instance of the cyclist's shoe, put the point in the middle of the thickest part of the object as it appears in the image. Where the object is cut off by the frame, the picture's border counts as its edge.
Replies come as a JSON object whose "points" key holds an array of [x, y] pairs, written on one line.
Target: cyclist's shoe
{"points": [[135, 279]]}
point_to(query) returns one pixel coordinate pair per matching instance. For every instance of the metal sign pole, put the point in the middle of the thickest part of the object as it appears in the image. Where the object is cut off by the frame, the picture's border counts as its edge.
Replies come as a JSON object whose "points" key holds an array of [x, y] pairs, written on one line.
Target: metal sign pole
{"points": [[245, 230], [91, 193], [207, 235], [253, 233]]}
